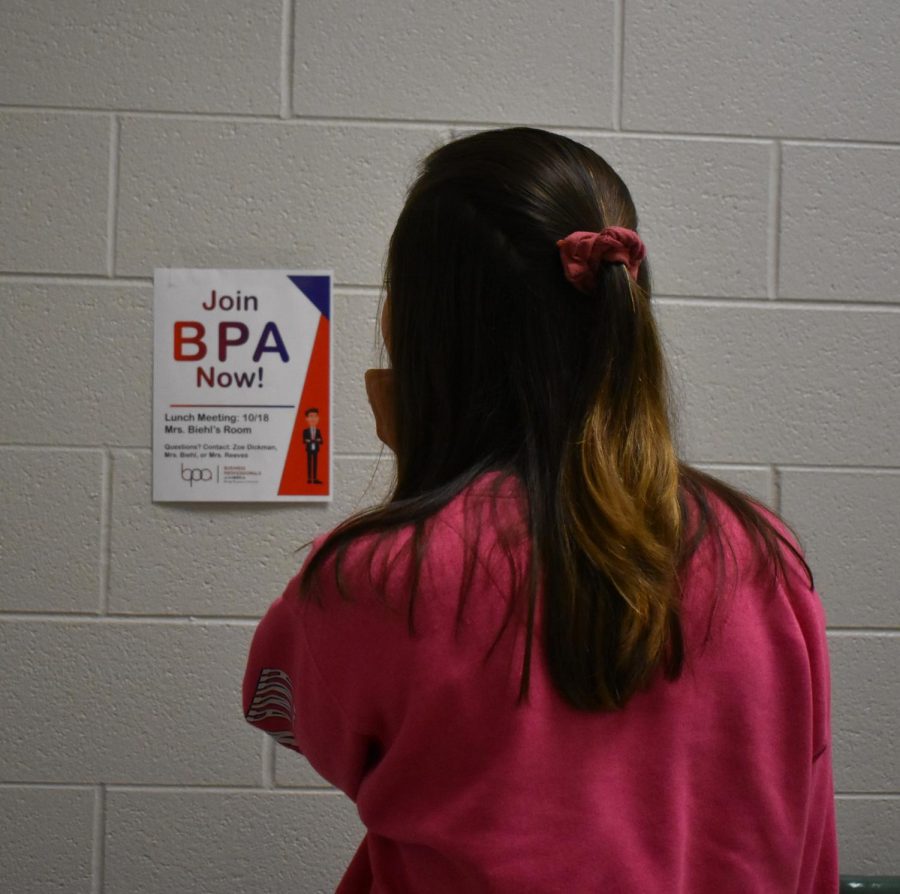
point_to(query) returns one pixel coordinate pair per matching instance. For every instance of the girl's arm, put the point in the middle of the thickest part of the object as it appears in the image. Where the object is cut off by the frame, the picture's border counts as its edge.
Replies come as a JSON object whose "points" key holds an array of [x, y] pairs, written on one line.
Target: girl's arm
{"points": [[285, 695]]}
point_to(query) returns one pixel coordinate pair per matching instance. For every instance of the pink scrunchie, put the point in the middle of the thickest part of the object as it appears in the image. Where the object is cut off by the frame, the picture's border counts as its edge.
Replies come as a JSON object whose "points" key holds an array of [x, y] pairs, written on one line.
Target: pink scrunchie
{"points": [[583, 252]]}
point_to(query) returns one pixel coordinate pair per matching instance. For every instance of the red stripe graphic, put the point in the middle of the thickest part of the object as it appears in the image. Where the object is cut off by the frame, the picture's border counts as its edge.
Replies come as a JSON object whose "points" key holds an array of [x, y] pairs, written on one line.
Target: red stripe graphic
{"points": [[272, 708], [315, 394]]}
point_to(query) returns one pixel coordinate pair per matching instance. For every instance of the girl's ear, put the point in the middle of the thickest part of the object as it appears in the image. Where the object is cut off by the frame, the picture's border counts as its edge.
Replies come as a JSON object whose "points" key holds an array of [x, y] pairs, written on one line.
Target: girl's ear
{"points": [[380, 389]]}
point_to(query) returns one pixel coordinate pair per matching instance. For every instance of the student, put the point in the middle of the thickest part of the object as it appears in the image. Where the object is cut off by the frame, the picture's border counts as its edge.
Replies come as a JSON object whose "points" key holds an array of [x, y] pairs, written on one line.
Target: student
{"points": [[558, 658]]}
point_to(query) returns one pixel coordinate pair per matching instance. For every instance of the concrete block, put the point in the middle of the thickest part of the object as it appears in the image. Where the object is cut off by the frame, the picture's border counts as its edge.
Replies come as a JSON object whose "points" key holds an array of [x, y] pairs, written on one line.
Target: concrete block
{"points": [[254, 194], [54, 176], [770, 69], [865, 674], [702, 211], [47, 840], [358, 345], [784, 384], [122, 702], [218, 558], [221, 843], [756, 482], [868, 832], [293, 770], [849, 522], [50, 530], [840, 233], [112, 55], [78, 363], [461, 61]]}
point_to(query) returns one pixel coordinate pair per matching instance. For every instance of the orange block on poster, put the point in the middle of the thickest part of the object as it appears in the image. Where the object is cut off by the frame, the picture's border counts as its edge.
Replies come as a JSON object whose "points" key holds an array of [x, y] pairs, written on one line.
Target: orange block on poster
{"points": [[309, 452]]}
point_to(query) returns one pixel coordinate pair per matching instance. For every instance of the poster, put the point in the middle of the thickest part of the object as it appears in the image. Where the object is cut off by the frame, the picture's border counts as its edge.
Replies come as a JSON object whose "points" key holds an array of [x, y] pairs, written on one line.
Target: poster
{"points": [[242, 382]]}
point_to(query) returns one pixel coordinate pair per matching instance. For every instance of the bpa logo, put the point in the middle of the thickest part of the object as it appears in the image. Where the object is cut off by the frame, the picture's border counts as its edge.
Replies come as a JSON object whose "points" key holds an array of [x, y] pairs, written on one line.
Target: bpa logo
{"points": [[192, 475]]}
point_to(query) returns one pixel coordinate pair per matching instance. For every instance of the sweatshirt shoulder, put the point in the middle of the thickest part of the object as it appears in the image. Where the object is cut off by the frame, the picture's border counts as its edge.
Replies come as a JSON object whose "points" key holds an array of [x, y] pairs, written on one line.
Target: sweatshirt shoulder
{"points": [[794, 589], [472, 545], [492, 506]]}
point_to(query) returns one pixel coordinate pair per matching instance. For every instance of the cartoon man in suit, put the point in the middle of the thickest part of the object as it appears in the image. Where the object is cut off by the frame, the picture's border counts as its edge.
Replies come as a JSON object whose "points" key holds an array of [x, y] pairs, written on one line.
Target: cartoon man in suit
{"points": [[312, 441]]}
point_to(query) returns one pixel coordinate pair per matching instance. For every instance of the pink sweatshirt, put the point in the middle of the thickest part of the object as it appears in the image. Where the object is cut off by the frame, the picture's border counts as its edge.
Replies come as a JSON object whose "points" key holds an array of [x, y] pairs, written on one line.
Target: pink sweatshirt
{"points": [[718, 782]]}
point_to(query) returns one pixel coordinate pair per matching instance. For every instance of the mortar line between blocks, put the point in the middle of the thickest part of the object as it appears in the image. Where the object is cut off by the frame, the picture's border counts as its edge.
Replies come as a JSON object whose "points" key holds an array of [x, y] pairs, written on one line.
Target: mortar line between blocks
{"points": [[98, 855], [105, 528], [20, 784], [618, 64], [181, 788], [287, 59], [112, 200], [342, 290], [34, 445], [384, 456], [776, 487], [348, 290], [268, 763], [85, 279], [432, 123], [111, 620], [774, 219]]}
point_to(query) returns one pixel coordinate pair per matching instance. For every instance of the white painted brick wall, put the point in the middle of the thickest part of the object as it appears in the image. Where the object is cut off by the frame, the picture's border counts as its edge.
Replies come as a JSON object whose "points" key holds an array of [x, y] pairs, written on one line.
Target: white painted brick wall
{"points": [[158, 57], [808, 68], [762, 145], [200, 193], [48, 837], [54, 184], [461, 61], [208, 840]]}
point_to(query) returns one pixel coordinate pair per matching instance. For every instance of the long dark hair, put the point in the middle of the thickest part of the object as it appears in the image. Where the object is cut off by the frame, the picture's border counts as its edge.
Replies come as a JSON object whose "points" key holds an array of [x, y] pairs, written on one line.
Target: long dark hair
{"points": [[501, 364]]}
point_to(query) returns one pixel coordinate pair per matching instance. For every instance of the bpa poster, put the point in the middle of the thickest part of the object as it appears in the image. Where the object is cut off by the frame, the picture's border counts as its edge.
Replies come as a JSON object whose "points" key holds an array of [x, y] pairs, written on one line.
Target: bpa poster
{"points": [[242, 385]]}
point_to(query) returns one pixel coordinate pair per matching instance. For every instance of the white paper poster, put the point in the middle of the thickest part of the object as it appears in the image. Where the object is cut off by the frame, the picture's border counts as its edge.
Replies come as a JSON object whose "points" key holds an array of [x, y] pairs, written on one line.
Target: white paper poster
{"points": [[242, 385]]}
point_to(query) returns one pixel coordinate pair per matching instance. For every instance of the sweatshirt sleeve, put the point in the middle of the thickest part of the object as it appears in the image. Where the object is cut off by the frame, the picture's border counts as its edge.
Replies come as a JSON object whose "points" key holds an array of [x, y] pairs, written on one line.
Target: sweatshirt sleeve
{"points": [[285, 695], [820, 846]]}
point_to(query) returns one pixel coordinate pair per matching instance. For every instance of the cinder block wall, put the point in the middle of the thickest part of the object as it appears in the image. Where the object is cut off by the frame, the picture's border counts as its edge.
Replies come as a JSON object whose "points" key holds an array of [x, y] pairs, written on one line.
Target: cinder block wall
{"points": [[760, 141]]}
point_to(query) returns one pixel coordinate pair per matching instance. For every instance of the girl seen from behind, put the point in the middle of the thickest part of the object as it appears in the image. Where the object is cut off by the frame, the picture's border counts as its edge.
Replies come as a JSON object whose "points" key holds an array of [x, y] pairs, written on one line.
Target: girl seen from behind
{"points": [[557, 657]]}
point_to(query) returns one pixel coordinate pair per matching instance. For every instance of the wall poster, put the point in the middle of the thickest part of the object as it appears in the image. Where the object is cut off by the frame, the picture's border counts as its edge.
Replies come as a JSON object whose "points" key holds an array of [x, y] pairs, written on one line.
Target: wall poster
{"points": [[242, 382]]}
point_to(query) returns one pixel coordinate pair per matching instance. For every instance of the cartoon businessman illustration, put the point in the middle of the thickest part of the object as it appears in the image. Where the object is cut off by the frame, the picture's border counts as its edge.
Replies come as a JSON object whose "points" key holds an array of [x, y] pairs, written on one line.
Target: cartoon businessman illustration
{"points": [[312, 441]]}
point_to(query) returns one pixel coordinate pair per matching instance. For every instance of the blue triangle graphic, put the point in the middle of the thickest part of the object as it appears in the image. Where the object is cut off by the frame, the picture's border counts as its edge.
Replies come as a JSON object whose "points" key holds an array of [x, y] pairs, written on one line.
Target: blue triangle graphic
{"points": [[317, 289]]}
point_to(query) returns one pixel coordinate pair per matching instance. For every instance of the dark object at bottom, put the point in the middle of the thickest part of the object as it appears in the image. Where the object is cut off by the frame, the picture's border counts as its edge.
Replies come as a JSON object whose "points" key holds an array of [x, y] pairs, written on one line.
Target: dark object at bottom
{"points": [[885, 884]]}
